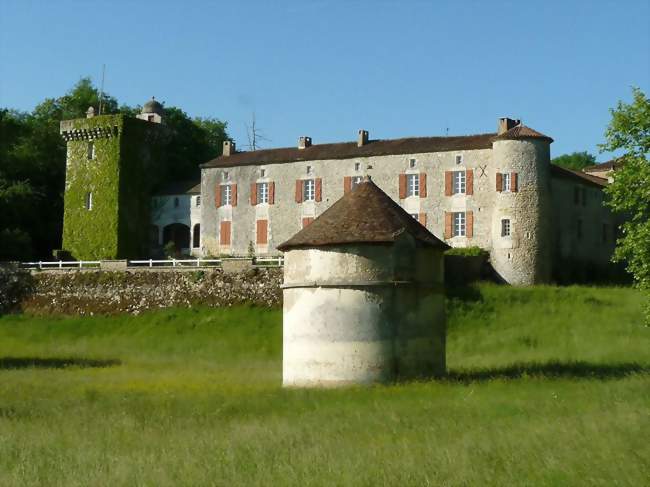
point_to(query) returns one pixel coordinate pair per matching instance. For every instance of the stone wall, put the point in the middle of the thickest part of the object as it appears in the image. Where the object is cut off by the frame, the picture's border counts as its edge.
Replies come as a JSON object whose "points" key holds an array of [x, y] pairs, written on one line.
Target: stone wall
{"points": [[101, 292]]}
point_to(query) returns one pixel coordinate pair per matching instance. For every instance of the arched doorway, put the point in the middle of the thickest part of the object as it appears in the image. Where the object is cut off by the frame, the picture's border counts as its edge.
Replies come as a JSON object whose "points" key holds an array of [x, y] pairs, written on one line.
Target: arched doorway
{"points": [[196, 236], [179, 234]]}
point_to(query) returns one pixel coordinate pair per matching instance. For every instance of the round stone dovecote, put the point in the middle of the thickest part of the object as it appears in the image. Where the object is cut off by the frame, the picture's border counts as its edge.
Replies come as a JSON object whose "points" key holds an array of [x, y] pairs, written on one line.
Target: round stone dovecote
{"points": [[363, 296]]}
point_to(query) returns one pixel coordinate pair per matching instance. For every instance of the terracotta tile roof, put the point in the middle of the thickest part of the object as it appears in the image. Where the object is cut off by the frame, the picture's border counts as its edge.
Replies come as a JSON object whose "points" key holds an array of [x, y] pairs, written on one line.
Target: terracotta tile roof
{"points": [[522, 132], [179, 187], [578, 176], [605, 166], [364, 215], [346, 150]]}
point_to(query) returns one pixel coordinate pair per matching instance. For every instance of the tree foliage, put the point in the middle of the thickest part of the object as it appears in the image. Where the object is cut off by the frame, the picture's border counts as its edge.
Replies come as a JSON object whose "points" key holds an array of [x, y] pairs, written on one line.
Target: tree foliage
{"points": [[32, 164], [629, 194], [576, 160]]}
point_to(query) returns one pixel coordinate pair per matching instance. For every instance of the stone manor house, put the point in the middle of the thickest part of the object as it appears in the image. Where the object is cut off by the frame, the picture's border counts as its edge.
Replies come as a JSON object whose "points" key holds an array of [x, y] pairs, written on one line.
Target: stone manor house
{"points": [[498, 191]]}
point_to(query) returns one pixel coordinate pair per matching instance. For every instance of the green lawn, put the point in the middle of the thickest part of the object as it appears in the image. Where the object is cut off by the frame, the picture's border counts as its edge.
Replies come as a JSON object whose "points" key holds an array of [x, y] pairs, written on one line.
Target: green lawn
{"points": [[547, 386]]}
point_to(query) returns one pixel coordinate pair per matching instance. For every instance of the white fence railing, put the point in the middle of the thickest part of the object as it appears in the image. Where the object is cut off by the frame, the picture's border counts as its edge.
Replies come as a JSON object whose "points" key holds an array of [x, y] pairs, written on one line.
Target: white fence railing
{"points": [[94, 264], [62, 264]]}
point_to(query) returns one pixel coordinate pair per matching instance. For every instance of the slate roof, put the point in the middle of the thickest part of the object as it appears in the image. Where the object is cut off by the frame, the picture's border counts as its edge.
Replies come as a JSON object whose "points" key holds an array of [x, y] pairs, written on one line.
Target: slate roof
{"points": [[364, 215], [522, 132], [578, 176], [180, 187], [346, 150]]}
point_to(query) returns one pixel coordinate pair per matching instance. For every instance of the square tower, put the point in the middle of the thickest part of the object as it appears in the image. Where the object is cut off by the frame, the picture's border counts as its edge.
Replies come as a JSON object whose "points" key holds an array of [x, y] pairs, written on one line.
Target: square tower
{"points": [[111, 168]]}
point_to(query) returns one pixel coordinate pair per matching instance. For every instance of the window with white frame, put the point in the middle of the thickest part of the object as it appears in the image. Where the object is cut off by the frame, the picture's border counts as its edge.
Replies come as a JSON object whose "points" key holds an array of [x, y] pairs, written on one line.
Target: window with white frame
{"points": [[262, 193], [505, 227], [412, 163], [459, 182], [459, 224], [506, 184], [459, 159], [226, 195], [88, 203], [356, 180], [197, 202], [309, 190], [412, 185]]}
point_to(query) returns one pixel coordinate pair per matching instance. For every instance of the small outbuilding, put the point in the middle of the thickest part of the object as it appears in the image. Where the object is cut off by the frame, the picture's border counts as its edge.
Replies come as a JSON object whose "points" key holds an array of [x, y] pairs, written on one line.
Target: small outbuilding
{"points": [[363, 295]]}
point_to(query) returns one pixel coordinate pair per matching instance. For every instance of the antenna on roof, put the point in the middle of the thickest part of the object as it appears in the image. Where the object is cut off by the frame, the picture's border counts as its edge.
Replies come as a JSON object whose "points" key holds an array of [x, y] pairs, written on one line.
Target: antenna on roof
{"points": [[101, 89], [447, 128]]}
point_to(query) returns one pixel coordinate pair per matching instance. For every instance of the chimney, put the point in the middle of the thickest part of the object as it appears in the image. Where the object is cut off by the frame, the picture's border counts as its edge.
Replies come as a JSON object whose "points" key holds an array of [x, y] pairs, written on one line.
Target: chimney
{"points": [[506, 124], [363, 138], [304, 142], [228, 147], [90, 113]]}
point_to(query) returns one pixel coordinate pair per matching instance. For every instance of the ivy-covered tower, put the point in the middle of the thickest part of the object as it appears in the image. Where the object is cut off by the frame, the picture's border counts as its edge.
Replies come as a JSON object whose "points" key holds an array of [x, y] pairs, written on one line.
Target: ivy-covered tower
{"points": [[111, 167]]}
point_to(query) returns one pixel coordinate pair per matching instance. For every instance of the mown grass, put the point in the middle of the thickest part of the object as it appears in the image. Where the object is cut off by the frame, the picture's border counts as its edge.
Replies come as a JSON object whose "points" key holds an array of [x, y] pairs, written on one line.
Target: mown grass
{"points": [[547, 386]]}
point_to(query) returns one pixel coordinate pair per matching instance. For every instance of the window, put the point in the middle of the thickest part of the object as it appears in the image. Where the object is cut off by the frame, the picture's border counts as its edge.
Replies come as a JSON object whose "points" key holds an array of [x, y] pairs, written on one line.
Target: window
{"points": [[150, 118], [196, 236], [309, 190], [412, 163], [91, 150], [262, 173], [459, 159], [262, 192], [308, 169], [412, 185], [356, 180], [459, 182], [197, 202], [176, 203], [226, 195], [506, 181], [357, 166], [505, 227], [225, 175], [459, 224], [88, 204]]}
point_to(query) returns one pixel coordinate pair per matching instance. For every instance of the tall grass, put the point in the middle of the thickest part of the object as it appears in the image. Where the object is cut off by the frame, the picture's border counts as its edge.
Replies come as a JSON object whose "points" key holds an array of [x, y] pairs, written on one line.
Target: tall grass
{"points": [[547, 386]]}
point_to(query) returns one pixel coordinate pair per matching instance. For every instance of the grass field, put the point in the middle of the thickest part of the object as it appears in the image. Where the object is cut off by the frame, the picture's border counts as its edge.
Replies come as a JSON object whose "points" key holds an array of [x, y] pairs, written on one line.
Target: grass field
{"points": [[547, 386]]}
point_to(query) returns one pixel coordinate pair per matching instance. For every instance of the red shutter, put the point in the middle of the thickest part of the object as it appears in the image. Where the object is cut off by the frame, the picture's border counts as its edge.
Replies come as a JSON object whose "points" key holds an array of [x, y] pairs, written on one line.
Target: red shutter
{"points": [[469, 224], [253, 194], [298, 190], [448, 224], [402, 186], [306, 221], [423, 185], [448, 183], [272, 193], [233, 194], [422, 218], [347, 184], [499, 182], [262, 231], [217, 195], [319, 189], [469, 180], [224, 233], [514, 184]]}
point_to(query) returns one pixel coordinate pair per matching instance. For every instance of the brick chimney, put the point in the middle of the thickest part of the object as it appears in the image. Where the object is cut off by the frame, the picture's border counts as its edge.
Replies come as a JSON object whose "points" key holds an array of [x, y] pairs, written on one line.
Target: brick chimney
{"points": [[228, 148], [304, 142], [506, 124], [362, 139]]}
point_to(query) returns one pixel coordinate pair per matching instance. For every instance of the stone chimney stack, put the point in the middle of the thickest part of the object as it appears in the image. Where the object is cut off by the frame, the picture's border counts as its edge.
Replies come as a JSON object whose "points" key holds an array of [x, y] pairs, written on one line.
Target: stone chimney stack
{"points": [[228, 148], [304, 142], [363, 138], [506, 124]]}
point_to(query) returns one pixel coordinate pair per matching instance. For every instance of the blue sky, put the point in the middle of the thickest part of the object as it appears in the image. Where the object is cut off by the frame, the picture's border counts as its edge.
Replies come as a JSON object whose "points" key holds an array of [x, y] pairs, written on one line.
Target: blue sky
{"points": [[328, 68]]}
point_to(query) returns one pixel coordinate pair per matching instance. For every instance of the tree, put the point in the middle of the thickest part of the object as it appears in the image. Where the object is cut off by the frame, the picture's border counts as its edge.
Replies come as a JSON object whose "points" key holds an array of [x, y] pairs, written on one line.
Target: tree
{"points": [[629, 194], [576, 160]]}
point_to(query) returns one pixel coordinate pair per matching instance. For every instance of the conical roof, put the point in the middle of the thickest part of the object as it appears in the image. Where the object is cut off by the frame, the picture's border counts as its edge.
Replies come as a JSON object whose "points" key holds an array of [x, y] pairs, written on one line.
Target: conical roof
{"points": [[522, 132], [364, 215]]}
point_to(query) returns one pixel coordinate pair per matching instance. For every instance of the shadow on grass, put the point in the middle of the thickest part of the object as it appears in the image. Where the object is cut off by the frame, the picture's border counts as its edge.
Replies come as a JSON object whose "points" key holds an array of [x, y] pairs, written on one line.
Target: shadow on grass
{"points": [[9, 363], [570, 370]]}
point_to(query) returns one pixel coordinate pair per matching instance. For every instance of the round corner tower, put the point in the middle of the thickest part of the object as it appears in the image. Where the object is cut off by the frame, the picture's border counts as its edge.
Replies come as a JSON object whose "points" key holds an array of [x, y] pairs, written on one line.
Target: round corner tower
{"points": [[363, 296], [521, 233]]}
